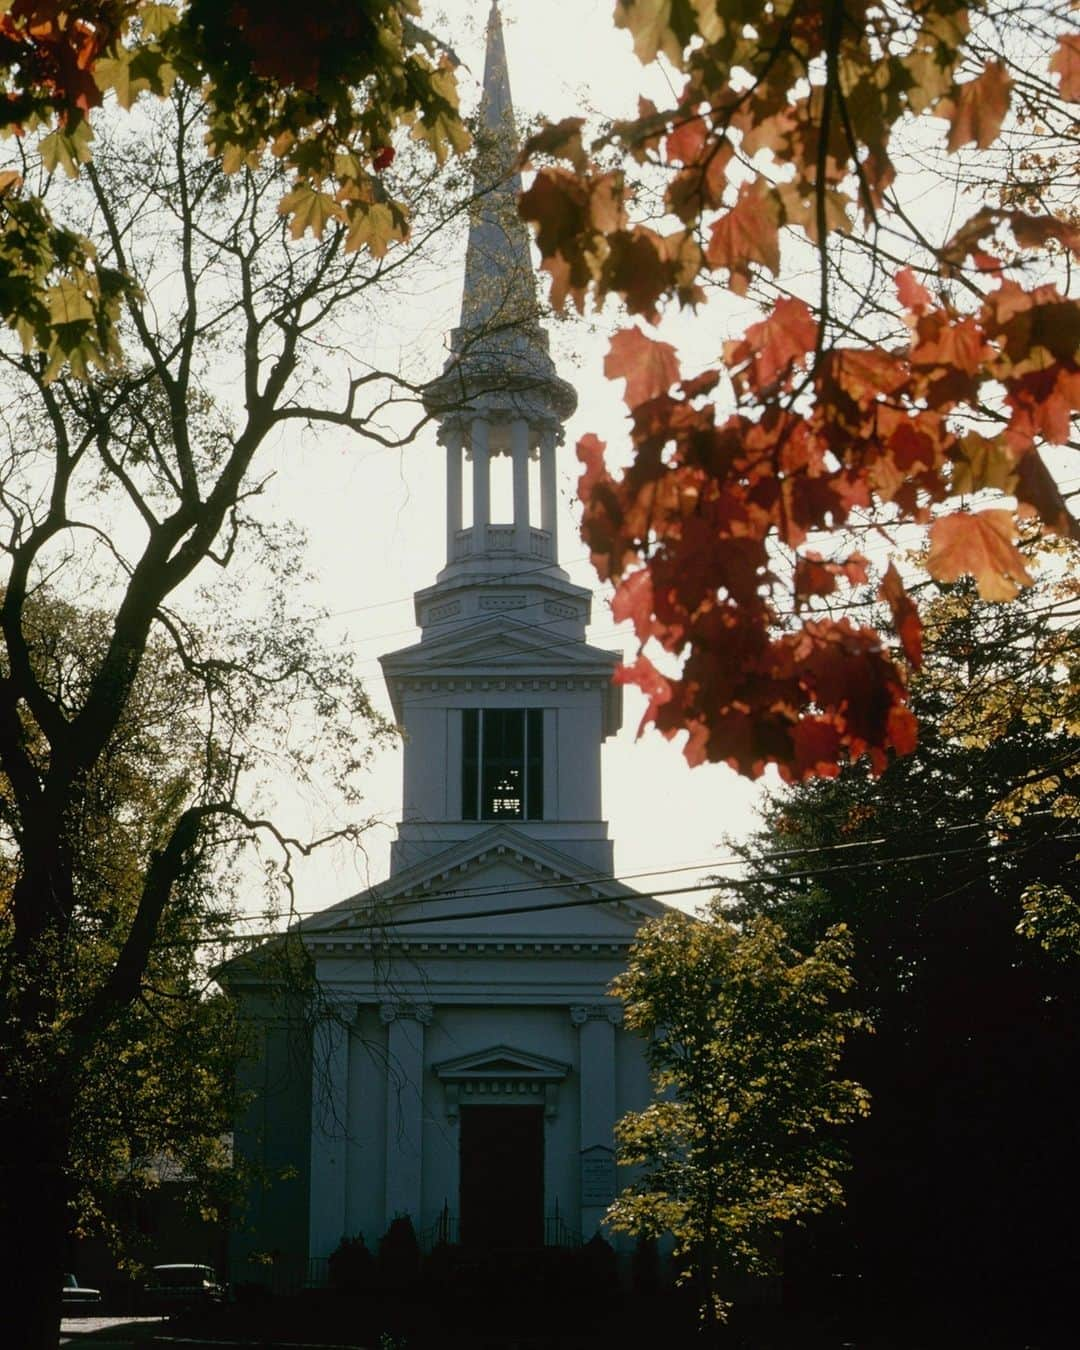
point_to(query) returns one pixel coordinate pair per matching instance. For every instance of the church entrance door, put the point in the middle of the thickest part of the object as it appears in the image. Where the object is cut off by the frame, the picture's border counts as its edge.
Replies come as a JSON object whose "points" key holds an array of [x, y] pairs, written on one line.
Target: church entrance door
{"points": [[502, 1176]]}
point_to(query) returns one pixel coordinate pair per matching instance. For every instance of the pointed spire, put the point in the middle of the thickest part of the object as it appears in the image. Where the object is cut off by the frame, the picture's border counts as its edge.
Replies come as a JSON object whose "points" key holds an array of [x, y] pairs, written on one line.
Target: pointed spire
{"points": [[499, 283], [496, 108], [499, 348]]}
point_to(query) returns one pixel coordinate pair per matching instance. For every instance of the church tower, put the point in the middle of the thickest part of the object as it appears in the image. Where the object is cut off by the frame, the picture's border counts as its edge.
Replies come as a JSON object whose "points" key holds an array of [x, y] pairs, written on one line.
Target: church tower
{"points": [[503, 704]]}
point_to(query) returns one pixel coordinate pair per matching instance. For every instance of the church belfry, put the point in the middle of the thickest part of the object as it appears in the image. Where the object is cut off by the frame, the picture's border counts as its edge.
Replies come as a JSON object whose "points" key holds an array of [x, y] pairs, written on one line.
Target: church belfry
{"points": [[503, 704]]}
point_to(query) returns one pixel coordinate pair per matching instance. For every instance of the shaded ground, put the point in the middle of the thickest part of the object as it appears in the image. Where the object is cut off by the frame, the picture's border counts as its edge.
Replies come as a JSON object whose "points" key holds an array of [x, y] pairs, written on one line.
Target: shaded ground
{"points": [[605, 1322]]}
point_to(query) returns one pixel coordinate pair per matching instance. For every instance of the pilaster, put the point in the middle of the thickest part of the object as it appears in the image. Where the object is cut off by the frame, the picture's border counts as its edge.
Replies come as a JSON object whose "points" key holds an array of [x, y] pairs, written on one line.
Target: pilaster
{"points": [[452, 438], [549, 513], [329, 1135], [405, 1024], [596, 1063]]}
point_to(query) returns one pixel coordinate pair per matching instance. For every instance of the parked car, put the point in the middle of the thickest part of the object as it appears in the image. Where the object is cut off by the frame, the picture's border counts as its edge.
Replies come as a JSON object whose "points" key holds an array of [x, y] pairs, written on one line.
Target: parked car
{"points": [[180, 1288], [74, 1295]]}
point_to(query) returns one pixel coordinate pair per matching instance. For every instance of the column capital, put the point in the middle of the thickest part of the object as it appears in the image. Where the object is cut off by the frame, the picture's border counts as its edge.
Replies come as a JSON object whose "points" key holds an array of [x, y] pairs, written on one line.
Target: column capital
{"points": [[580, 1013], [399, 1011]]}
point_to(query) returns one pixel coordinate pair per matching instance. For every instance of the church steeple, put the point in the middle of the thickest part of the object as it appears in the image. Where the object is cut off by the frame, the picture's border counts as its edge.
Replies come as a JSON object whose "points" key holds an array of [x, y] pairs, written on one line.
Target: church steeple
{"points": [[503, 703], [499, 393]]}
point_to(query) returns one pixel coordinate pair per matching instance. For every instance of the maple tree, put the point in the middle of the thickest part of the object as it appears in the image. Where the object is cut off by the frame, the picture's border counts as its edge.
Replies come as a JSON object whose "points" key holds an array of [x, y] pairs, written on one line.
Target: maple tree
{"points": [[325, 91], [923, 363]]}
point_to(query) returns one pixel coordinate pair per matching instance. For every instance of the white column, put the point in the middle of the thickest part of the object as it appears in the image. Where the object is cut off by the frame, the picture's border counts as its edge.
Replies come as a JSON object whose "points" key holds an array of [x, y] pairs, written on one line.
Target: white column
{"points": [[596, 1065], [519, 447], [452, 438], [329, 1135], [548, 495], [404, 1107], [481, 496]]}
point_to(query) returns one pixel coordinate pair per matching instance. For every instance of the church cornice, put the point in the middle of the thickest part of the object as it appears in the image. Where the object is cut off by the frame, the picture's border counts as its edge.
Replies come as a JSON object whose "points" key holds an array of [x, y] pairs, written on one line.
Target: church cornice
{"points": [[346, 946]]}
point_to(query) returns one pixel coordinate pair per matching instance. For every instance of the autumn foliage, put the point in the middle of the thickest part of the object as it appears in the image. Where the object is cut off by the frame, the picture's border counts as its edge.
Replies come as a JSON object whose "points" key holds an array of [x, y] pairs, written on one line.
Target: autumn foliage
{"points": [[323, 90], [942, 380]]}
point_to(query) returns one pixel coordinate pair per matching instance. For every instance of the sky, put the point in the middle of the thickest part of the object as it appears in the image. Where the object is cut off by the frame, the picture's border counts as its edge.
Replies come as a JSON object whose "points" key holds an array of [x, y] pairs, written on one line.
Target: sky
{"points": [[375, 516]]}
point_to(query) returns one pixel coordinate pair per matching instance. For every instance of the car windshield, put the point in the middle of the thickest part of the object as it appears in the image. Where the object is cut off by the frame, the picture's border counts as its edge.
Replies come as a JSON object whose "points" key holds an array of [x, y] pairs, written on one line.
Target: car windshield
{"points": [[173, 1276], [70, 1282]]}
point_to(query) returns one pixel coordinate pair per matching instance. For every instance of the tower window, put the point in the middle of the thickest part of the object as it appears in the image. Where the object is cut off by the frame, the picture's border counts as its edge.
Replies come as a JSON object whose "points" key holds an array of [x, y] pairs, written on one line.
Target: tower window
{"points": [[502, 774]]}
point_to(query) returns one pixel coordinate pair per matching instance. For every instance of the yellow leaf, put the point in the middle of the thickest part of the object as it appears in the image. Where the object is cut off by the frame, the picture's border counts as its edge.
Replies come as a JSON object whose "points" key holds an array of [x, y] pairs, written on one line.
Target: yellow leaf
{"points": [[983, 463], [374, 228], [69, 303], [115, 73], [649, 22], [310, 209], [709, 24], [155, 19], [67, 151]]}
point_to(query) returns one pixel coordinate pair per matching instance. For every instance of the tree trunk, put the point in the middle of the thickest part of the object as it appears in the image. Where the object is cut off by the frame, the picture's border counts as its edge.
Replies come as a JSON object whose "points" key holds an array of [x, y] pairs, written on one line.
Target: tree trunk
{"points": [[34, 1215]]}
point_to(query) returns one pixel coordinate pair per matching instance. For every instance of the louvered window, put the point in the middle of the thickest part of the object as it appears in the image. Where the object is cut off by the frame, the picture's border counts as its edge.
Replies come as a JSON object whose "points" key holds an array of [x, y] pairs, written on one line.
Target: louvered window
{"points": [[502, 764]]}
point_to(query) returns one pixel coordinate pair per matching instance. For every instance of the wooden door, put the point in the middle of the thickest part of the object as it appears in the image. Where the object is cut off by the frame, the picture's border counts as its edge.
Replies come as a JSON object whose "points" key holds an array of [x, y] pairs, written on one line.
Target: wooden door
{"points": [[502, 1176]]}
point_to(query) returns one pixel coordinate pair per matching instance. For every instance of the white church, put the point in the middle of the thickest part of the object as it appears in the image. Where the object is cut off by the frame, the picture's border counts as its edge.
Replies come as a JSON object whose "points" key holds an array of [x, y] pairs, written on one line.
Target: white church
{"points": [[466, 1064]]}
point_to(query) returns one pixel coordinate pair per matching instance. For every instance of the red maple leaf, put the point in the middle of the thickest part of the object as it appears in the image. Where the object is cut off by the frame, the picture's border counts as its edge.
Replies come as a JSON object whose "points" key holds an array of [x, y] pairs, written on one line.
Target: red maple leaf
{"points": [[771, 347], [978, 108], [648, 367], [905, 615], [747, 233], [1065, 64]]}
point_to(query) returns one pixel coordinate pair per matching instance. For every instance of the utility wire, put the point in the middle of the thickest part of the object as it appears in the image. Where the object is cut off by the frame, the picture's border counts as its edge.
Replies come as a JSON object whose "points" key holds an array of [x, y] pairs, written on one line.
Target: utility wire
{"points": [[388, 925], [611, 878]]}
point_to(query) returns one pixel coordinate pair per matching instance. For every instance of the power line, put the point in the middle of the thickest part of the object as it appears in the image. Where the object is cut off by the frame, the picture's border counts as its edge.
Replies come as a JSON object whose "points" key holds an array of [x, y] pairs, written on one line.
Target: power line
{"points": [[611, 878], [387, 925]]}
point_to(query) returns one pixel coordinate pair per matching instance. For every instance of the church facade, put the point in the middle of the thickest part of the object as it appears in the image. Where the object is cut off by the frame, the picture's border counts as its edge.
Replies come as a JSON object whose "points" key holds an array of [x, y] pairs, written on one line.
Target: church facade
{"points": [[464, 1063]]}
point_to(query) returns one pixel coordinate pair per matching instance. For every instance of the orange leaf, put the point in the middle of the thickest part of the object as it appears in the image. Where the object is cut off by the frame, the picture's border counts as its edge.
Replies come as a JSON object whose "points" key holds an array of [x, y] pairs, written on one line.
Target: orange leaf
{"points": [[912, 294], [979, 544], [905, 616], [747, 233], [1065, 64], [979, 108], [771, 346], [903, 729], [649, 368], [634, 600]]}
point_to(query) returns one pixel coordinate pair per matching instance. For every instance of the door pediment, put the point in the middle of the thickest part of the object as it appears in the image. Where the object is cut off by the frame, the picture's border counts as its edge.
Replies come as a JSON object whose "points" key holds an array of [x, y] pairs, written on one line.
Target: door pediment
{"points": [[501, 1076]]}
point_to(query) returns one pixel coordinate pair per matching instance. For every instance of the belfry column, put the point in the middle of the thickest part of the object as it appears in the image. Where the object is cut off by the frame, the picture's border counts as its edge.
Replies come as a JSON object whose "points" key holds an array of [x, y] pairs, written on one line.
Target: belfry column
{"points": [[481, 496], [404, 1106], [596, 1061], [329, 1135], [452, 439], [519, 448], [548, 497]]}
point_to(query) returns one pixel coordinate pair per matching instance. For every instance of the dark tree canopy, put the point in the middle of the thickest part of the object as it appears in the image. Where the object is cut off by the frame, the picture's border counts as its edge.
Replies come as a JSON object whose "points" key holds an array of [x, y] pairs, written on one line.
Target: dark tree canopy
{"points": [[965, 1176]]}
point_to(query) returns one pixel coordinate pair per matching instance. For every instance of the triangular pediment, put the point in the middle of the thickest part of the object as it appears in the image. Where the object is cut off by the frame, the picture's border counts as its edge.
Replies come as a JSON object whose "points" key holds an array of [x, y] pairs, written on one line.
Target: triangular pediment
{"points": [[498, 884], [501, 1062], [491, 644]]}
